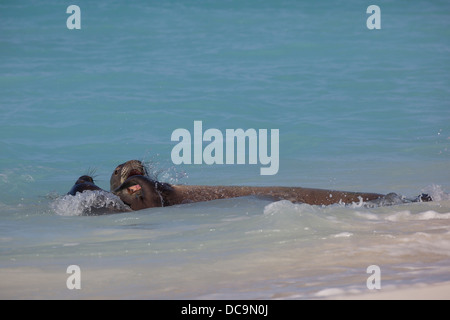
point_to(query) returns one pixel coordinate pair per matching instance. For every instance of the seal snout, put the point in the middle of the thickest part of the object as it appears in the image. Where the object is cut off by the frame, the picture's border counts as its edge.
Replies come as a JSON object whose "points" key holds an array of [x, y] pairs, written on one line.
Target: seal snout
{"points": [[140, 192], [135, 172]]}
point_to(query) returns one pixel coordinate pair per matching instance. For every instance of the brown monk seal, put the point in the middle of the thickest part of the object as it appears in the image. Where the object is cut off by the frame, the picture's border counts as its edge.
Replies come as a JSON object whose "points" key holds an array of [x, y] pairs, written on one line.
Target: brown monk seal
{"points": [[140, 192], [131, 183], [126, 170]]}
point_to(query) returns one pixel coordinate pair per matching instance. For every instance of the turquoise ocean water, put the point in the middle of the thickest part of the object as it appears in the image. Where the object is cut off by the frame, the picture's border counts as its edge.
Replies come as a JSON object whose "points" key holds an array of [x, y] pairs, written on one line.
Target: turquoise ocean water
{"points": [[357, 109]]}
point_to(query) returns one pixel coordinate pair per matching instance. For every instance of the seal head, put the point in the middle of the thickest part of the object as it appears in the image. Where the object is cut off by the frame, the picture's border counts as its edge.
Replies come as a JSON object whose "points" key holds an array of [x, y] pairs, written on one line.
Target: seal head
{"points": [[82, 184], [125, 171], [140, 192]]}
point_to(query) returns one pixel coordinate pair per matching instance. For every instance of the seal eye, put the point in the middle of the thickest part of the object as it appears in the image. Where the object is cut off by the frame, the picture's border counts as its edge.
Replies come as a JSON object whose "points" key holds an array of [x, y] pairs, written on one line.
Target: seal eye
{"points": [[116, 172]]}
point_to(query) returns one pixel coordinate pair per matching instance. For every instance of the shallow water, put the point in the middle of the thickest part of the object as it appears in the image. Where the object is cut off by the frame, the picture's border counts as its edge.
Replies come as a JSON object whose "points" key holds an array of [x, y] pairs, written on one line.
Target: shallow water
{"points": [[357, 110], [243, 248]]}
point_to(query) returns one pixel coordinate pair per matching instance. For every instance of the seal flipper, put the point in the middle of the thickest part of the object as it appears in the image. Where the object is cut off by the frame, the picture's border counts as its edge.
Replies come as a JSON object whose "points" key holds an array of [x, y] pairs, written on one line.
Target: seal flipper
{"points": [[424, 197], [395, 199]]}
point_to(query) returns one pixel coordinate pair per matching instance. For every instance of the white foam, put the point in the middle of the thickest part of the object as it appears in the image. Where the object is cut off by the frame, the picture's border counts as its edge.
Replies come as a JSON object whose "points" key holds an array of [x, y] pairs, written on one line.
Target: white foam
{"points": [[27, 177], [427, 215], [284, 205], [360, 204], [437, 193], [86, 202], [402, 215], [431, 215], [368, 216], [343, 235], [74, 244], [276, 207], [420, 244], [329, 292], [4, 178]]}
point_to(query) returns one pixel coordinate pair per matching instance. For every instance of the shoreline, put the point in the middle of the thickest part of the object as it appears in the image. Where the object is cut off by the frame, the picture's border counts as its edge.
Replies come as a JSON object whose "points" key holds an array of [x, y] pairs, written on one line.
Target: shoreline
{"points": [[30, 283], [422, 291]]}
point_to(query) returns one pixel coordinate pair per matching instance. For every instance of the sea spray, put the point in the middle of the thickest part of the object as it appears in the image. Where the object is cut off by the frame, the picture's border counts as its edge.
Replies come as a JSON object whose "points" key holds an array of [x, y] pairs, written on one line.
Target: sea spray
{"points": [[89, 202]]}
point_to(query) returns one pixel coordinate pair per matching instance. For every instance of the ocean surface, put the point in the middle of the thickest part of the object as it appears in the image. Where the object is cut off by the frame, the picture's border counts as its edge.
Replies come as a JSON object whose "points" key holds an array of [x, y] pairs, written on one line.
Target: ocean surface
{"points": [[356, 109]]}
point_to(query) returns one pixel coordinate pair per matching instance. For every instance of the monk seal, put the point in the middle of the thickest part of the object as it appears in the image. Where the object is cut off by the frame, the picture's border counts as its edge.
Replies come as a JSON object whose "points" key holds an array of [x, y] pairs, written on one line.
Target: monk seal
{"points": [[126, 170], [135, 188], [90, 199], [140, 192]]}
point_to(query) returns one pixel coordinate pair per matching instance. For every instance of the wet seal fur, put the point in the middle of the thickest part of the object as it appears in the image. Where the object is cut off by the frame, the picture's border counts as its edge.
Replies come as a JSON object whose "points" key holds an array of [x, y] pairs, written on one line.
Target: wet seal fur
{"points": [[82, 184], [131, 183]]}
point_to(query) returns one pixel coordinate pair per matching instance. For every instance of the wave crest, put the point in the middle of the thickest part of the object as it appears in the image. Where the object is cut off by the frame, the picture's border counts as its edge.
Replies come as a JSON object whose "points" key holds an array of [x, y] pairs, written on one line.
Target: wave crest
{"points": [[89, 202]]}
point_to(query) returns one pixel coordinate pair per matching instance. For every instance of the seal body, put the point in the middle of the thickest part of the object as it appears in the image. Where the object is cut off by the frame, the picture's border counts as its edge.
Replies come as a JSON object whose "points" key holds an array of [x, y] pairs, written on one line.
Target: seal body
{"points": [[131, 183], [293, 194]]}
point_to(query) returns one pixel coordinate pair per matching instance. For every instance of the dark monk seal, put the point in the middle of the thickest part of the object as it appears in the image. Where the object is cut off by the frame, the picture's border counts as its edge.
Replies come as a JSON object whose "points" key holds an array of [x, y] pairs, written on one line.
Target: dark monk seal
{"points": [[82, 184], [103, 202], [131, 183]]}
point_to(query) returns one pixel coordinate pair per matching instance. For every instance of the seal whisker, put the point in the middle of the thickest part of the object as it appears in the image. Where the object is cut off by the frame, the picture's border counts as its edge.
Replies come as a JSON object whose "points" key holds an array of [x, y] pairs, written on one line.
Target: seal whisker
{"points": [[91, 172]]}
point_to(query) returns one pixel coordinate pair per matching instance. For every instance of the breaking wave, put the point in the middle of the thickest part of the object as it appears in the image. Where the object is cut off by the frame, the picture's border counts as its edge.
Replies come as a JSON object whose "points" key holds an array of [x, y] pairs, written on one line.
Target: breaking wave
{"points": [[89, 202]]}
